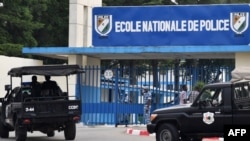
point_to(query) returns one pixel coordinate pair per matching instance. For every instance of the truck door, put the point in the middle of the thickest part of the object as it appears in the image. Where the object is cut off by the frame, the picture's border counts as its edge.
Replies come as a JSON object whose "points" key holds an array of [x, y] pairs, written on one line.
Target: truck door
{"points": [[210, 111], [241, 101]]}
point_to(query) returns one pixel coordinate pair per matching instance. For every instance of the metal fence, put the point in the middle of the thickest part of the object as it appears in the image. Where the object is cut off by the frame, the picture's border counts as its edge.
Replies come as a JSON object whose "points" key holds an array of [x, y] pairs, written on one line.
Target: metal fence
{"points": [[103, 90]]}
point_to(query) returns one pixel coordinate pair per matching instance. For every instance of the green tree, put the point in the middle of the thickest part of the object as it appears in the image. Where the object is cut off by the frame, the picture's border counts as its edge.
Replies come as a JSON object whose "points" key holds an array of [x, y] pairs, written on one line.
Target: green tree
{"points": [[17, 22], [33, 23], [17, 25], [11, 50], [56, 24]]}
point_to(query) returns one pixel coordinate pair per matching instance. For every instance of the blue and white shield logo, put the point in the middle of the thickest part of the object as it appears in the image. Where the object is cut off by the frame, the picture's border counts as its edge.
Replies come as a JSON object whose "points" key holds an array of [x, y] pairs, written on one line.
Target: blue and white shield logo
{"points": [[208, 117], [103, 24], [239, 21]]}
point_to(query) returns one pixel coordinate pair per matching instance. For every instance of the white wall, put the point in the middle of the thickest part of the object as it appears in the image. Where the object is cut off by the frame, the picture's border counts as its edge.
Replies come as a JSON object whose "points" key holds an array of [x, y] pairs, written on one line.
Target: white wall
{"points": [[9, 62], [241, 59], [80, 33]]}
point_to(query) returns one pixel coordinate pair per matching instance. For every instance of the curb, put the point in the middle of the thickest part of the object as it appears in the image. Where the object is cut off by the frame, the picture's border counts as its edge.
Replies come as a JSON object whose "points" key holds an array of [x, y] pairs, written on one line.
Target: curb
{"points": [[138, 132], [145, 133], [142, 132]]}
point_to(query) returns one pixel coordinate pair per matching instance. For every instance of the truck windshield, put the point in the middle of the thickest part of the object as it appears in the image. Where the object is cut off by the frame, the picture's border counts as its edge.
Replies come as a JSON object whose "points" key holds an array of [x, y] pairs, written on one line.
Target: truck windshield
{"points": [[211, 97]]}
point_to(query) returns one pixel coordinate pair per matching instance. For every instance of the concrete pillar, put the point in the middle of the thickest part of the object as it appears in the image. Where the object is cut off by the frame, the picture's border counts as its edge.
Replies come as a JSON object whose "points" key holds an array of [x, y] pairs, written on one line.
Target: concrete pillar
{"points": [[80, 22], [80, 27], [242, 59], [80, 33]]}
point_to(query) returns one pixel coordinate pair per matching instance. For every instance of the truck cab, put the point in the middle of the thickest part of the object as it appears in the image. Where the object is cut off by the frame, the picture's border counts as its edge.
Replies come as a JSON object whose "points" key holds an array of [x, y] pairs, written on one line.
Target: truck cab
{"points": [[217, 105]]}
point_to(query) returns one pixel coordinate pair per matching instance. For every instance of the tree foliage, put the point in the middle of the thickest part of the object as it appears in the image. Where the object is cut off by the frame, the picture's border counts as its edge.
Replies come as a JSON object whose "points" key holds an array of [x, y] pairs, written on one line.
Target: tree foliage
{"points": [[11, 50], [56, 24], [17, 25], [32, 23], [17, 22]]}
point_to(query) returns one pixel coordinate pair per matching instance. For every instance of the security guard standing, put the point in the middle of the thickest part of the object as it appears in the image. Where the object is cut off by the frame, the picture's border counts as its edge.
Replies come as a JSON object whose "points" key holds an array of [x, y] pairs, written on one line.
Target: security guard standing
{"points": [[147, 96], [126, 115]]}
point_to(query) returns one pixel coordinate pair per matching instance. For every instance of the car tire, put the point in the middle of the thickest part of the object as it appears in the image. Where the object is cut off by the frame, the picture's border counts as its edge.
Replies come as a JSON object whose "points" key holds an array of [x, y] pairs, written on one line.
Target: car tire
{"points": [[167, 132], [70, 131], [4, 131], [20, 132]]}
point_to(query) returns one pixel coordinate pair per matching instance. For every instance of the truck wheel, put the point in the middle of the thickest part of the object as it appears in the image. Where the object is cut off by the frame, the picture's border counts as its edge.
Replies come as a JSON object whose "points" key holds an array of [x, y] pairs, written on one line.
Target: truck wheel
{"points": [[4, 131], [167, 132], [20, 132], [70, 131]]}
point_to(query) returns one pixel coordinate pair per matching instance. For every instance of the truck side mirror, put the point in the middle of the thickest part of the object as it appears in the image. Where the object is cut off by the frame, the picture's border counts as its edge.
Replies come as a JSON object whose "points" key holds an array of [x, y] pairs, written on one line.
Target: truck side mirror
{"points": [[7, 87]]}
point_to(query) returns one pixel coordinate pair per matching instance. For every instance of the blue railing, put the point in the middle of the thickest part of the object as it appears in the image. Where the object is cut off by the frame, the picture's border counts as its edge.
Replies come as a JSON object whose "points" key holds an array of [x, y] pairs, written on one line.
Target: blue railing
{"points": [[103, 99]]}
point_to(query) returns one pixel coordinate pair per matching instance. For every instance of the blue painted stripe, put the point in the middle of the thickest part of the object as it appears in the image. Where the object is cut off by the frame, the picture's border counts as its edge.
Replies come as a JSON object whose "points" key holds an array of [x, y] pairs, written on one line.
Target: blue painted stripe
{"points": [[136, 49]]}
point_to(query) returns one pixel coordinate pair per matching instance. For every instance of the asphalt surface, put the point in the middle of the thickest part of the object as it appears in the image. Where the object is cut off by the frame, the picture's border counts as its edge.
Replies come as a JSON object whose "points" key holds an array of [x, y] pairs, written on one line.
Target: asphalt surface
{"points": [[90, 133], [102, 133]]}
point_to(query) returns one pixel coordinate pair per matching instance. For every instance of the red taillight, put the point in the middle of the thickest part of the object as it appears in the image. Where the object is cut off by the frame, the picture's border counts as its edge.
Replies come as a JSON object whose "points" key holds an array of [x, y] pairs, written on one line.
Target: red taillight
{"points": [[76, 118], [26, 121]]}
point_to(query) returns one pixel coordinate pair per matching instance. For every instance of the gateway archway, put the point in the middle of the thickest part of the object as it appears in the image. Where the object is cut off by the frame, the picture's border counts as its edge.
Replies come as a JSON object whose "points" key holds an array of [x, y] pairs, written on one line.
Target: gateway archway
{"points": [[89, 42]]}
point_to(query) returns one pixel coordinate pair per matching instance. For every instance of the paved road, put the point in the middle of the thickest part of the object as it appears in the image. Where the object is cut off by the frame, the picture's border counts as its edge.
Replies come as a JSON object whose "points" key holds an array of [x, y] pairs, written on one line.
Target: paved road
{"points": [[85, 133]]}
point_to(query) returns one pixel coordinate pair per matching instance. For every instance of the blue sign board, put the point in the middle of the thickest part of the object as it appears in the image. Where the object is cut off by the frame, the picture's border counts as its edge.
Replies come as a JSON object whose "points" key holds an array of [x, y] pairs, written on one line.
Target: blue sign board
{"points": [[171, 25]]}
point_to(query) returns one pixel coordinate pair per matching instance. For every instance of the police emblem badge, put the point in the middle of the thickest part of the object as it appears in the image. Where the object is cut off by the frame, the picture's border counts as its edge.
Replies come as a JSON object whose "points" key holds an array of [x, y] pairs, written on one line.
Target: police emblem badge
{"points": [[103, 24], [208, 117], [239, 21]]}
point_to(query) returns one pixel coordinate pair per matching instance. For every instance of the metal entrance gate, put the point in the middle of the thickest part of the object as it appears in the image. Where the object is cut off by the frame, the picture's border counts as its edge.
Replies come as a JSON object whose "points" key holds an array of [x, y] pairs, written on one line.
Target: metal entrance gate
{"points": [[104, 90]]}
